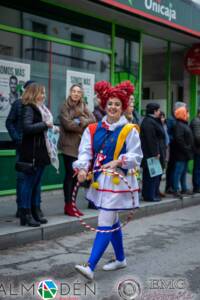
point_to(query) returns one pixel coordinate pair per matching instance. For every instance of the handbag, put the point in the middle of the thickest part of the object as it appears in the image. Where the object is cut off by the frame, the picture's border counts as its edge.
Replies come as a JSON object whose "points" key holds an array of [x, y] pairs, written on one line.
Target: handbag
{"points": [[26, 167]]}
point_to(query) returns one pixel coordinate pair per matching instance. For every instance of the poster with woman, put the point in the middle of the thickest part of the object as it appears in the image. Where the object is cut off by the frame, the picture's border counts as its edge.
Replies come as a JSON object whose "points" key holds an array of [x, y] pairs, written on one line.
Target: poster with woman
{"points": [[13, 75]]}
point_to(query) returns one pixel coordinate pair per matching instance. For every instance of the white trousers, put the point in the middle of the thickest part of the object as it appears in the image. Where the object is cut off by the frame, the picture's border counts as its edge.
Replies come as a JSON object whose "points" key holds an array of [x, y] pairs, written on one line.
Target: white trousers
{"points": [[107, 217]]}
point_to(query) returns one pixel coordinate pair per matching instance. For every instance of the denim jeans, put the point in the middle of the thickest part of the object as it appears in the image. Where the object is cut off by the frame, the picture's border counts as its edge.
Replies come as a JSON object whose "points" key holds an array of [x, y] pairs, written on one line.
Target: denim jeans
{"points": [[180, 171], [31, 188], [150, 186], [196, 172], [19, 181]]}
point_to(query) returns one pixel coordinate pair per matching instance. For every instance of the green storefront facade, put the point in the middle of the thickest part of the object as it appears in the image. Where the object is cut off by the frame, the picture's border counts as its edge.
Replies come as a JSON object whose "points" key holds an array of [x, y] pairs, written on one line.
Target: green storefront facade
{"points": [[145, 41]]}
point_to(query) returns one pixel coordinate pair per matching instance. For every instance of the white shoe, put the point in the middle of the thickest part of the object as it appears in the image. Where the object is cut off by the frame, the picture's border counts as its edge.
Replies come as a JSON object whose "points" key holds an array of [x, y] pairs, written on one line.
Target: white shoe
{"points": [[114, 265], [85, 271]]}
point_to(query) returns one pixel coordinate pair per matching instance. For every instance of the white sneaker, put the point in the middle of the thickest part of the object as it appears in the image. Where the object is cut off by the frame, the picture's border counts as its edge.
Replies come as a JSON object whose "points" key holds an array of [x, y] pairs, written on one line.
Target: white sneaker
{"points": [[85, 271], [114, 265]]}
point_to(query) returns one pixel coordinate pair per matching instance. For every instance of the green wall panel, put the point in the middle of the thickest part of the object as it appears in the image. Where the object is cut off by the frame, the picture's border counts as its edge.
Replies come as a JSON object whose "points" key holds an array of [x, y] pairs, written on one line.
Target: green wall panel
{"points": [[8, 174]]}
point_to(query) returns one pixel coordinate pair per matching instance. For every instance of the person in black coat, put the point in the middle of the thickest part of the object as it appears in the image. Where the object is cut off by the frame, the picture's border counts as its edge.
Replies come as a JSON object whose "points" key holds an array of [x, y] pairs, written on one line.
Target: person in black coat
{"points": [[183, 150], [153, 145], [171, 121], [33, 150], [14, 127]]}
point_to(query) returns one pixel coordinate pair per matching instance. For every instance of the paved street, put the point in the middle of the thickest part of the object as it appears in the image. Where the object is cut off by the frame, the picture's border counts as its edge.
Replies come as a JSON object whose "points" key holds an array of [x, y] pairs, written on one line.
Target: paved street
{"points": [[162, 253]]}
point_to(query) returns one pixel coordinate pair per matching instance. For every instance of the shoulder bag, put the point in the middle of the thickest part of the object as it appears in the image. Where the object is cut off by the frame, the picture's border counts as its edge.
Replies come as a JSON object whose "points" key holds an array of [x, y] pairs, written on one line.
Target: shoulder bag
{"points": [[26, 167]]}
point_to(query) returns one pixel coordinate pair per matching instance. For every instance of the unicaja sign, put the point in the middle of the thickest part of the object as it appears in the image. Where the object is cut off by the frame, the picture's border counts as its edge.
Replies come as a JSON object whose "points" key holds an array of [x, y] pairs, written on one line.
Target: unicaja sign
{"points": [[166, 11]]}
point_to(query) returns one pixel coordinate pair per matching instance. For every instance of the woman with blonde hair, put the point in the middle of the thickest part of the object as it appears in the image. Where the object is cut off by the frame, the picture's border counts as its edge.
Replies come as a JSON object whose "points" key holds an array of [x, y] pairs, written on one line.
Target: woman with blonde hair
{"points": [[74, 118], [35, 149]]}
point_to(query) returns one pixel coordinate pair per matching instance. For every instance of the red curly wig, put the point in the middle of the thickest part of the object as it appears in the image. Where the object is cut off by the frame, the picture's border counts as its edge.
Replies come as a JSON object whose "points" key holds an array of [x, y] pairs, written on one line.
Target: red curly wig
{"points": [[122, 91]]}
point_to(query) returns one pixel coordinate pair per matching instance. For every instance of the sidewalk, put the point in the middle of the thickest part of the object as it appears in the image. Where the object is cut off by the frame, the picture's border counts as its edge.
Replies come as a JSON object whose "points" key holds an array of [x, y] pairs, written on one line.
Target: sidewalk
{"points": [[12, 234]]}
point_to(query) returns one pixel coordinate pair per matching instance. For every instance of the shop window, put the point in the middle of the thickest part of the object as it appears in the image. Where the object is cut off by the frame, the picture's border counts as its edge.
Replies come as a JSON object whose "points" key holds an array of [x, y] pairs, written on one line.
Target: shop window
{"points": [[154, 84], [91, 62], [180, 78], [146, 93], [39, 48], [94, 31], [18, 64], [127, 58], [5, 50], [77, 53], [49, 69], [38, 27]]}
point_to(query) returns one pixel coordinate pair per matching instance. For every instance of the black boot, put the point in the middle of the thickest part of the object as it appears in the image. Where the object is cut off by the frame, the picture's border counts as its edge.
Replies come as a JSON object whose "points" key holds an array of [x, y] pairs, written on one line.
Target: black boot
{"points": [[17, 212], [38, 215], [41, 212], [27, 219]]}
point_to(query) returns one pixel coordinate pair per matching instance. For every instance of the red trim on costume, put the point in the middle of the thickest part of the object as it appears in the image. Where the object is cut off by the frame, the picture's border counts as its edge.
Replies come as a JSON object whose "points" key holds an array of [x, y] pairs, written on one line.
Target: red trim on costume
{"points": [[104, 125], [76, 170], [92, 128], [111, 191]]}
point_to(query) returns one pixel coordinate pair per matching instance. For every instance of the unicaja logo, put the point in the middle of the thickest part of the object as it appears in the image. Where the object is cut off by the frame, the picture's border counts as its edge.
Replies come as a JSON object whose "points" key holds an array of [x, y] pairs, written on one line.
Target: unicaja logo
{"points": [[47, 289], [166, 11]]}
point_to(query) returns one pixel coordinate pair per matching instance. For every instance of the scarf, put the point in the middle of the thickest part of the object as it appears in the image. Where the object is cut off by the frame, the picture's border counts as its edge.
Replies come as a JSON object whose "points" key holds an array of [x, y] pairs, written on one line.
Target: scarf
{"points": [[51, 136]]}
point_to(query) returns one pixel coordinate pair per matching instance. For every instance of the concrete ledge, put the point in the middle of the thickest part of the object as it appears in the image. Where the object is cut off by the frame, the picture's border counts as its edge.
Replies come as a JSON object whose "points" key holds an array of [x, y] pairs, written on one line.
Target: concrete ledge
{"points": [[11, 234], [67, 228], [14, 239], [190, 201], [163, 206]]}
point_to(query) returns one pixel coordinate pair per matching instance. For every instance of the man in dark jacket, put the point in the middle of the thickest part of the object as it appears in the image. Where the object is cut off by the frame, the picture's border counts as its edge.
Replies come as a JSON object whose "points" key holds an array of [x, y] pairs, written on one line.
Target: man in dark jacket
{"points": [[14, 127], [195, 126], [153, 145]]}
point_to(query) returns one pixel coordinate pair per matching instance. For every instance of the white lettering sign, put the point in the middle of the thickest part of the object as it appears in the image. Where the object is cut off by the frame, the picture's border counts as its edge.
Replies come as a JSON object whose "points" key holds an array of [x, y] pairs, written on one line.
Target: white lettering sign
{"points": [[166, 11]]}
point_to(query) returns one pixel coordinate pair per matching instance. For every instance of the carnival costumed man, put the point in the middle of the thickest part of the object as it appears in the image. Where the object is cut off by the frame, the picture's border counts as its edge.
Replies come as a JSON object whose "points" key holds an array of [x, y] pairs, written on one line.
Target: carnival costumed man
{"points": [[111, 144]]}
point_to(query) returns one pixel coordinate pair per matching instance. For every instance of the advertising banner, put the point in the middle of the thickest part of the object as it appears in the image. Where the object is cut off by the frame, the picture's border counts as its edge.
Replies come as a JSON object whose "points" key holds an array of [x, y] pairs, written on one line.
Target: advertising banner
{"points": [[192, 60], [180, 14], [86, 81], [13, 75]]}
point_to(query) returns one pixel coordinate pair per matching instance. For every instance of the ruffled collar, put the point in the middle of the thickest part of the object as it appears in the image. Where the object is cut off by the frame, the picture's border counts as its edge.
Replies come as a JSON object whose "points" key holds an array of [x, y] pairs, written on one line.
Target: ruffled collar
{"points": [[122, 121]]}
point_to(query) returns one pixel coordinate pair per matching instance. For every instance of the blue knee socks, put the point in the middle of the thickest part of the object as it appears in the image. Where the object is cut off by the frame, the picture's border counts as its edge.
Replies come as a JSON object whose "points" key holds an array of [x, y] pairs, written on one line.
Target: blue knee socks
{"points": [[117, 242], [100, 244]]}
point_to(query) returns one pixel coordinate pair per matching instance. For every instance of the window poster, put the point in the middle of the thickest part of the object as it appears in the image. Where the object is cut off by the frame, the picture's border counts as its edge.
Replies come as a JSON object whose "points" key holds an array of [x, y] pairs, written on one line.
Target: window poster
{"points": [[86, 81], [13, 75]]}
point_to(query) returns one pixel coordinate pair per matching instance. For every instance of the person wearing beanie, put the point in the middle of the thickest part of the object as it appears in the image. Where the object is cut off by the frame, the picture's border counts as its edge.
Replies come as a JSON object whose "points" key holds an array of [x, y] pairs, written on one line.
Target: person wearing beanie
{"points": [[27, 83], [171, 162], [153, 145], [14, 127], [182, 150], [112, 144], [151, 108]]}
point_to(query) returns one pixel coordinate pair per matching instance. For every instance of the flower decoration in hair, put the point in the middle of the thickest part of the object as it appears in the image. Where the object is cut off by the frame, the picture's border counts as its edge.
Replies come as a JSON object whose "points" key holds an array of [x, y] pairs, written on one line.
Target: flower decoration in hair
{"points": [[122, 91], [102, 90]]}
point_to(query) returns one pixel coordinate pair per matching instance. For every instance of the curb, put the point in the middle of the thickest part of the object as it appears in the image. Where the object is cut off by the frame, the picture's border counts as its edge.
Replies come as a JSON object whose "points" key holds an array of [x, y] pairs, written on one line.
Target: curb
{"points": [[60, 225]]}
